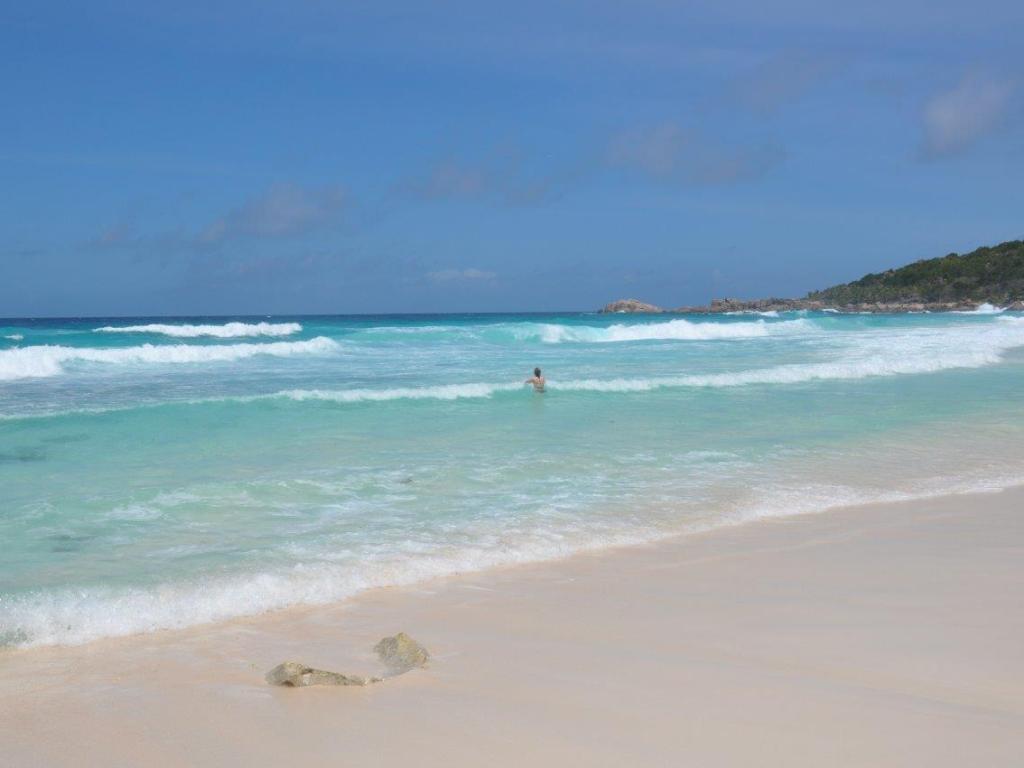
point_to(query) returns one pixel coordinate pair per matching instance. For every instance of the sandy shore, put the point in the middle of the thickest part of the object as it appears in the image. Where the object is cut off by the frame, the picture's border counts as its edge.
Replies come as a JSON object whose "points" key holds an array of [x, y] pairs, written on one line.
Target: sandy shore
{"points": [[887, 635]]}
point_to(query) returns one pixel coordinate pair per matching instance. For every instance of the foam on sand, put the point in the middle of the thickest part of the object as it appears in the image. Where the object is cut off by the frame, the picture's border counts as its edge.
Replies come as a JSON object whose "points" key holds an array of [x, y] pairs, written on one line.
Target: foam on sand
{"points": [[74, 616], [81, 615]]}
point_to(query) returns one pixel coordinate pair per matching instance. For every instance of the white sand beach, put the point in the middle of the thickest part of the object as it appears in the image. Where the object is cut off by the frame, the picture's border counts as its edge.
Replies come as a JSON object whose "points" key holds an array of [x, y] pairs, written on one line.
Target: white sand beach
{"points": [[884, 635]]}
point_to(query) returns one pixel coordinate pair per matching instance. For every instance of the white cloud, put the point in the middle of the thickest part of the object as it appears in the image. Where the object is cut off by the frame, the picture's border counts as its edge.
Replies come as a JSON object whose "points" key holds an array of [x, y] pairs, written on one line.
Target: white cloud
{"points": [[957, 118], [450, 275]]}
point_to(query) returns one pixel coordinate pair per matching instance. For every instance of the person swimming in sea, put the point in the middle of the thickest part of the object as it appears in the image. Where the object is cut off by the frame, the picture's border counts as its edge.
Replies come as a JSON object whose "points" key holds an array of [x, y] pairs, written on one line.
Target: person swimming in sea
{"points": [[537, 380]]}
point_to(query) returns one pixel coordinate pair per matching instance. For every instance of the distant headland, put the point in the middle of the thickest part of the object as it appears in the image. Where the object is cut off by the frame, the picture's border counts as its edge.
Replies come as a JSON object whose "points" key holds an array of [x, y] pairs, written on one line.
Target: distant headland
{"points": [[988, 275]]}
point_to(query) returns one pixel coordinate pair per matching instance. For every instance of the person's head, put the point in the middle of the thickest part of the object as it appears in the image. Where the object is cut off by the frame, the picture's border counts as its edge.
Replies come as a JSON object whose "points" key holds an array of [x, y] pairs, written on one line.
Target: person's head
{"points": [[536, 372]]}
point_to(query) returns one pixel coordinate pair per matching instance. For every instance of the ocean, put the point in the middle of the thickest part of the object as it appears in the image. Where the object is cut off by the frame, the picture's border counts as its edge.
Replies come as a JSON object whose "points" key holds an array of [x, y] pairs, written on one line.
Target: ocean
{"points": [[160, 473]]}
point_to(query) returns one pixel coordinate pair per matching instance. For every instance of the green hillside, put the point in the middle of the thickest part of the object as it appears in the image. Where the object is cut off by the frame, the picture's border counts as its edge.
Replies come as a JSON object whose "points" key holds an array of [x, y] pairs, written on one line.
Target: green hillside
{"points": [[993, 274]]}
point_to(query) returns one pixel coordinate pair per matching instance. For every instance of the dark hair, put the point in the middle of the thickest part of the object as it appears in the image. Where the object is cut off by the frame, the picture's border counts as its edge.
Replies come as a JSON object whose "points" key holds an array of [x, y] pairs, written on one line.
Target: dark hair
{"points": [[536, 371]]}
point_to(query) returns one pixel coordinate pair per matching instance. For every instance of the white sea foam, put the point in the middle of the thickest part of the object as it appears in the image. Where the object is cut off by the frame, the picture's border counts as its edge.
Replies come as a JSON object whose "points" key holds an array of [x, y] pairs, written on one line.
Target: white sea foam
{"points": [[81, 615], [49, 360], [809, 498], [983, 309], [784, 374], [863, 354], [413, 329], [75, 616], [766, 313], [304, 567], [866, 355], [680, 330], [439, 392], [15, 337], [558, 333], [920, 353], [225, 331]]}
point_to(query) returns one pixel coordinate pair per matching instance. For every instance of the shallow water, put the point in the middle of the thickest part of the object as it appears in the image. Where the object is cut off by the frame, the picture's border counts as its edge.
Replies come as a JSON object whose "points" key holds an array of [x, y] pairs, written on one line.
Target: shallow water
{"points": [[163, 472]]}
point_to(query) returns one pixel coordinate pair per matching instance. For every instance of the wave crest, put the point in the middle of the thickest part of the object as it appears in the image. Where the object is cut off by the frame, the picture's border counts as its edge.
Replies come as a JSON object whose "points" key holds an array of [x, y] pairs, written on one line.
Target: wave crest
{"points": [[225, 331], [440, 392], [677, 330], [76, 616], [48, 360]]}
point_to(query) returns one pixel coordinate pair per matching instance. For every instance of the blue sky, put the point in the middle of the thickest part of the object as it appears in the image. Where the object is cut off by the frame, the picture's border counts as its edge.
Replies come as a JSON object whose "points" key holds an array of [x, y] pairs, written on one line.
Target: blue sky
{"points": [[225, 158]]}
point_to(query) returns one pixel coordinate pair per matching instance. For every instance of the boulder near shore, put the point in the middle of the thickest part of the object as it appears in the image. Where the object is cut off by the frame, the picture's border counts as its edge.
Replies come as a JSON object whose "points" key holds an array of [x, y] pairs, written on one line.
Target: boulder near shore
{"points": [[631, 305], [295, 674], [399, 653]]}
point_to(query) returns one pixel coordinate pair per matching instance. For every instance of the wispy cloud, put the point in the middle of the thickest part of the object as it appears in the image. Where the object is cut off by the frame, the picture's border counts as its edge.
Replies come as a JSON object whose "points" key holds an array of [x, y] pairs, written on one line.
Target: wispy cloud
{"points": [[783, 79], [280, 211], [459, 275], [283, 209], [451, 179], [957, 118], [508, 177], [670, 152], [114, 235]]}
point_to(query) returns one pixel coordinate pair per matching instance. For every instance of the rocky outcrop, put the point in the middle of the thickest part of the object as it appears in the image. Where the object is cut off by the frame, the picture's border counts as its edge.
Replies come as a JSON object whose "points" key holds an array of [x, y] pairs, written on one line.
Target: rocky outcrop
{"points": [[952, 283], [910, 306], [399, 653], [632, 306], [297, 675], [726, 306], [722, 306]]}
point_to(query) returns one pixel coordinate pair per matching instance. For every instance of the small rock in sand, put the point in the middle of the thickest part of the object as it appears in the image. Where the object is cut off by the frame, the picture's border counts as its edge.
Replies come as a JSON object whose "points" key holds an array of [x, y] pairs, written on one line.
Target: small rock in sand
{"points": [[297, 675], [401, 653]]}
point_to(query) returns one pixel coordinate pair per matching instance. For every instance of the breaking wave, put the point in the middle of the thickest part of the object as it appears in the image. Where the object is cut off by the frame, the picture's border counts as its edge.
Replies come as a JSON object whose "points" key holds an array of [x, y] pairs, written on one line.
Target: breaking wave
{"points": [[863, 356], [983, 309], [923, 351], [680, 330], [49, 360], [225, 331], [440, 392], [316, 488], [765, 313], [80, 615], [76, 616]]}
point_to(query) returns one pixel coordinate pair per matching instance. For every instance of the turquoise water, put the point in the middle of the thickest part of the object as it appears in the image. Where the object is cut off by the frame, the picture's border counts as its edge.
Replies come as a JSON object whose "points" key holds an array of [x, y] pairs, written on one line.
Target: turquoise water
{"points": [[161, 473]]}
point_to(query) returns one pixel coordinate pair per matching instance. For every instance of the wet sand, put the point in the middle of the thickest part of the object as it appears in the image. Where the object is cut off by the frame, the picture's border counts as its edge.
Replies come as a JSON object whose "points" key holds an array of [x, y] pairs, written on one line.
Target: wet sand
{"points": [[884, 635]]}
